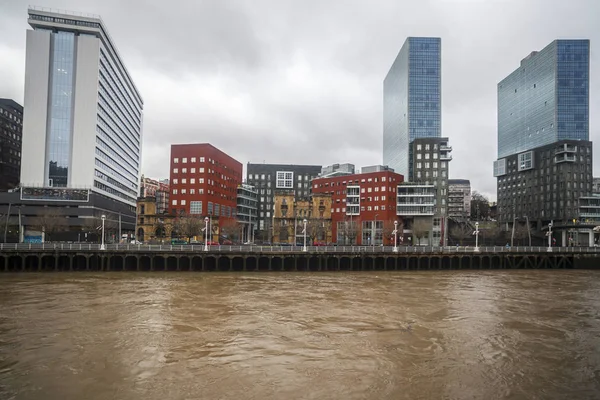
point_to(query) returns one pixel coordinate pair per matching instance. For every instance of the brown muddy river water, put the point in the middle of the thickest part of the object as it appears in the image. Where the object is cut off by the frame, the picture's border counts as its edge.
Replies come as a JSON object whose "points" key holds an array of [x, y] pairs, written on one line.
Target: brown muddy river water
{"points": [[401, 335]]}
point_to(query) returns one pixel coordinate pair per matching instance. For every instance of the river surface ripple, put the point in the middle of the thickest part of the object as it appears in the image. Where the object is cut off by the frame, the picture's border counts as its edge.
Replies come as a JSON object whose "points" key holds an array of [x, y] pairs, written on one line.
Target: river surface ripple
{"points": [[407, 335]]}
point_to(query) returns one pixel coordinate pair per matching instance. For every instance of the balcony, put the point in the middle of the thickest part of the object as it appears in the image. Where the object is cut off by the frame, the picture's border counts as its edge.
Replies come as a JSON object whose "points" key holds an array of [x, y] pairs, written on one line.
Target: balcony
{"points": [[445, 147], [445, 157], [565, 148], [565, 158]]}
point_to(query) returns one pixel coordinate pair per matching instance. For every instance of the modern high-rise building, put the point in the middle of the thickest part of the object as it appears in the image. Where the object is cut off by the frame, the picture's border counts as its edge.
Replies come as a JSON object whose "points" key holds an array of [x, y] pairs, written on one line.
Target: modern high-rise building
{"points": [[82, 133], [411, 101], [544, 161], [11, 126], [83, 125]]}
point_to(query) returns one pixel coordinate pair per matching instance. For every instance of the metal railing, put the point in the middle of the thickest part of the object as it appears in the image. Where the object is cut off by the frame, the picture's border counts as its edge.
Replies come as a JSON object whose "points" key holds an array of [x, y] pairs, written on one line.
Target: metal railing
{"points": [[199, 248]]}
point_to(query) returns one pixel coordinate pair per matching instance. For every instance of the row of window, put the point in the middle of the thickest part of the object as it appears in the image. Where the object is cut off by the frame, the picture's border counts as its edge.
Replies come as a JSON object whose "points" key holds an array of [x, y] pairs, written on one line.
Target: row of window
{"points": [[191, 191], [184, 160]]}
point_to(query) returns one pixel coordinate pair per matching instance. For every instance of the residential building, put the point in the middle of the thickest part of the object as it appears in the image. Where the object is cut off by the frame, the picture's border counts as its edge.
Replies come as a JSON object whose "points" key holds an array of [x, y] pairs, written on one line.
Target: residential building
{"points": [[247, 210], [82, 131], [415, 204], [289, 214], [159, 189], [411, 101], [459, 198], [337, 170], [363, 206], [266, 178], [204, 182], [11, 127], [544, 161], [596, 186], [430, 158]]}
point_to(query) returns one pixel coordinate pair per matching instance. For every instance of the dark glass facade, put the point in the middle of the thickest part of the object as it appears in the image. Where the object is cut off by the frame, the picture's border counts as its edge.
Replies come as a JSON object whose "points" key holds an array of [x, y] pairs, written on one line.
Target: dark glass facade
{"points": [[412, 101], [58, 146], [11, 130]]}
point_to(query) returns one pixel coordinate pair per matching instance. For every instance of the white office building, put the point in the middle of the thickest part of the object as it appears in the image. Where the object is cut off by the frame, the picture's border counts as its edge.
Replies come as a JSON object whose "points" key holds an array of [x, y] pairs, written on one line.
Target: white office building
{"points": [[83, 124]]}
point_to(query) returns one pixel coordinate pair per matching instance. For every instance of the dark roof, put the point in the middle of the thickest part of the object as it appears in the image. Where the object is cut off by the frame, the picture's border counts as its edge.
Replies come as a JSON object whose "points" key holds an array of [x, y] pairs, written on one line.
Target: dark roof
{"points": [[458, 181], [13, 104]]}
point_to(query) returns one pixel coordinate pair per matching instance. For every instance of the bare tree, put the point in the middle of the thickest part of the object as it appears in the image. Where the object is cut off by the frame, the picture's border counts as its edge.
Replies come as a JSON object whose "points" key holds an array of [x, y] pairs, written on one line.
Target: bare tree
{"points": [[388, 231], [461, 232], [188, 226], [315, 229], [50, 221], [480, 206], [420, 229], [230, 229]]}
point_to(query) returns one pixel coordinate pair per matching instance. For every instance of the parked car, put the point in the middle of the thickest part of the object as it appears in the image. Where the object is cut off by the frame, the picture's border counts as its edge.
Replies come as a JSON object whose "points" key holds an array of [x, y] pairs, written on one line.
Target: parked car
{"points": [[226, 242], [213, 243]]}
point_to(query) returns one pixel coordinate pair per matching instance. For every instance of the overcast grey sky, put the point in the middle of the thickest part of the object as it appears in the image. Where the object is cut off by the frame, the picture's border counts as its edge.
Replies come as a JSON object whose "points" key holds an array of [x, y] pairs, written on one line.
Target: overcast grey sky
{"points": [[301, 81]]}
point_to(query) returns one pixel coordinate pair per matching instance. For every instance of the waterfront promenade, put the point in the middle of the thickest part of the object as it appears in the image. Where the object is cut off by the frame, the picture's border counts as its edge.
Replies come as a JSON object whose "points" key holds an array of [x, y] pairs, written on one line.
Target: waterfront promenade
{"points": [[118, 257]]}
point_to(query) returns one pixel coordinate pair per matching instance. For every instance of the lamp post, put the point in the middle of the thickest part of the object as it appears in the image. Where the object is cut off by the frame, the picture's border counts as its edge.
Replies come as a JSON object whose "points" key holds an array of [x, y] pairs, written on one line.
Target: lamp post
{"points": [[476, 233], [103, 217], [304, 232], [206, 228], [374, 230], [550, 236], [395, 236]]}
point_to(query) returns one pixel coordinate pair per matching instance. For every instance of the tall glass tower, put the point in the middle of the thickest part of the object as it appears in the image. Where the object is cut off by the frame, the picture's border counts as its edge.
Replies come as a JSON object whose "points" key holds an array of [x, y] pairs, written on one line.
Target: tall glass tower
{"points": [[411, 101], [546, 99]]}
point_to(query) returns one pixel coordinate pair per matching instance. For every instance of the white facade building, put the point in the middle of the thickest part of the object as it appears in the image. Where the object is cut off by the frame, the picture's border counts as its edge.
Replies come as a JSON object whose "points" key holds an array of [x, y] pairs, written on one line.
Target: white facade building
{"points": [[83, 125]]}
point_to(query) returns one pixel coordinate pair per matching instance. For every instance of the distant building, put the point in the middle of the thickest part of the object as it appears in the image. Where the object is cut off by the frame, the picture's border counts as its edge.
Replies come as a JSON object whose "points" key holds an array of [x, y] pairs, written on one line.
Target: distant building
{"points": [[544, 161], [363, 206], [336, 170], [459, 198], [411, 101], [159, 189], [267, 178], [247, 210], [11, 128], [596, 186], [204, 181], [153, 226], [375, 168]]}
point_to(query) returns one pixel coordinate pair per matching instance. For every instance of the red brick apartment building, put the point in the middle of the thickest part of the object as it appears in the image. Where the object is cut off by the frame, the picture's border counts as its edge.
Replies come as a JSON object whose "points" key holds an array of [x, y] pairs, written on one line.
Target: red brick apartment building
{"points": [[363, 206], [204, 181]]}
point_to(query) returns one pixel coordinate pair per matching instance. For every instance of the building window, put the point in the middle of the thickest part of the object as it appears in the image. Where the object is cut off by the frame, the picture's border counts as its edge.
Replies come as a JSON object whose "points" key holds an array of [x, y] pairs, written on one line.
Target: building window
{"points": [[192, 180], [184, 160], [196, 207], [183, 202], [184, 181], [175, 170], [176, 161], [435, 156], [183, 191], [193, 159], [419, 165], [193, 170], [192, 191], [201, 159], [174, 202], [427, 147], [175, 191], [427, 156], [419, 147], [184, 170], [175, 181], [285, 180], [427, 165], [200, 180], [418, 156], [201, 170]]}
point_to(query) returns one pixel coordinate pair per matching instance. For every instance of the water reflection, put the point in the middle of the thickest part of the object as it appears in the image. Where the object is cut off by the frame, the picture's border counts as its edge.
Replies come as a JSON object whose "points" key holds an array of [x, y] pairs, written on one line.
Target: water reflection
{"points": [[497, 334]]}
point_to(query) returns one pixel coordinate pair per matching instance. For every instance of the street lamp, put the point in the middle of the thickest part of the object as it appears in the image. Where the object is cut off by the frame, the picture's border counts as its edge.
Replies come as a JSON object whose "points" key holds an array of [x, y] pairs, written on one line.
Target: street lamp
{"points": [[476, 233], [550, 236], [395, 236], [374, 230], [206, 228], [103, 217], [304, 232]]}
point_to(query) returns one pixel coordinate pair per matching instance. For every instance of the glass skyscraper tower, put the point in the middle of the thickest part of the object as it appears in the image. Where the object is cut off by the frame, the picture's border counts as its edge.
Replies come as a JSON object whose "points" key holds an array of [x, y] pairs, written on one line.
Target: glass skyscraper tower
{"points": [[411, 101], [83, 124], [546, 99]]}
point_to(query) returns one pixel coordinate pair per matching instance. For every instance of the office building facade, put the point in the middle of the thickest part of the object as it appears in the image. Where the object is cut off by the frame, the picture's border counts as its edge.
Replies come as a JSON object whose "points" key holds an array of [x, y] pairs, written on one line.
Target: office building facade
{"points": [[247, 207], [267, 178], [544, 155], [411, 101], [83, 128], [11, 131], [203, 181]]}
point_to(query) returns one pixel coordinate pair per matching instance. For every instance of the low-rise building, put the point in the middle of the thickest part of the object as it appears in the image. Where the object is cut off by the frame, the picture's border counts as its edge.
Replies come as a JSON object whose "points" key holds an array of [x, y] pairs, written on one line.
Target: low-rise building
{"points": [[153, 226], [289, 214]]}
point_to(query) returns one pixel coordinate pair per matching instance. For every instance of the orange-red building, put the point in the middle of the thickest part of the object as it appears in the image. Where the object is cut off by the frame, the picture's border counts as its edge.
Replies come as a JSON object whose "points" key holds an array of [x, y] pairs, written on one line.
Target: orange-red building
{"points": [[363, 207], [204, 181]]}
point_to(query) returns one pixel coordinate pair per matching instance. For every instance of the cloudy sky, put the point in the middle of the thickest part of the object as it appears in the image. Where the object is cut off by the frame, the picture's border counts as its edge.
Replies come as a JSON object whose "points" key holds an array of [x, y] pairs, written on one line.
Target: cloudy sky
{"points": [[300, 82]]}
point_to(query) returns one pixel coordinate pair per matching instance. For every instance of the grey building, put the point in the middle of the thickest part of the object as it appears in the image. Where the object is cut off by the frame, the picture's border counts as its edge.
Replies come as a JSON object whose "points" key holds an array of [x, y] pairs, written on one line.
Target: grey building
{"points": [[459, 198], [411, 101], [596, 186], [337, 170], [267, 178], [544, 157], [247, 207], [375, 168], [546, 183], [11, 128]]}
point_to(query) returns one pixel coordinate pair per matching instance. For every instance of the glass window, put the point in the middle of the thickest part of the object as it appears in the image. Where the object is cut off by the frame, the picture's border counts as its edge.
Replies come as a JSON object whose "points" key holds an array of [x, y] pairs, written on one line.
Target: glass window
{"points": [[176, 160], [183, 202], [196, 207], [184, 160]]}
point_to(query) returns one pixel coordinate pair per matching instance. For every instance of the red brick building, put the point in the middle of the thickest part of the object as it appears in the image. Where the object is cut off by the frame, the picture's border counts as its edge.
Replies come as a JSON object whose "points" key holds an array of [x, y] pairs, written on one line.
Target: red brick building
{"points": [[204, 181], [363, 206]]}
